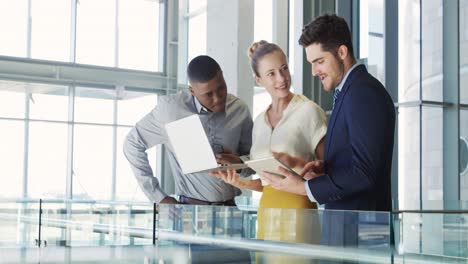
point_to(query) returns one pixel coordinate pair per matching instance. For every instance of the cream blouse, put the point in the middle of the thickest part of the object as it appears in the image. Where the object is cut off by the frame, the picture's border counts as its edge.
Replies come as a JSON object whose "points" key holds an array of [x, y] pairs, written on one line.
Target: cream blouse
{"points": [[300, 129]]}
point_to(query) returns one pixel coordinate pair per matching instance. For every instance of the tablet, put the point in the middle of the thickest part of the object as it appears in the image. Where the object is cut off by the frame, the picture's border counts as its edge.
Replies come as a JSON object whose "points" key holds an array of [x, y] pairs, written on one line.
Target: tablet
{"points": [[269, 164]]}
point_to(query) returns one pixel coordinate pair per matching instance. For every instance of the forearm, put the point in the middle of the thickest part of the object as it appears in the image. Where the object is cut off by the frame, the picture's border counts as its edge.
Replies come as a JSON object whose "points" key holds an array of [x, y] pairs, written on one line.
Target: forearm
{"points": [[255, 185]]}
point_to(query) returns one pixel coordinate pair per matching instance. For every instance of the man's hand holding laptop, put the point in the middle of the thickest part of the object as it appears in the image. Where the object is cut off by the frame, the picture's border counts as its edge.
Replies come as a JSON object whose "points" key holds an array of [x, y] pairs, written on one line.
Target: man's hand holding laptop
{"points": [[227, 157]]}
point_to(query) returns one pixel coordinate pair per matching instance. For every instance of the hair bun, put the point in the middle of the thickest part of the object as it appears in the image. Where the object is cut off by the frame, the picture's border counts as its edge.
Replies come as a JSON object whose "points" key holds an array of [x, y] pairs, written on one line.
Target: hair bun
{"points": [[254, 47]]}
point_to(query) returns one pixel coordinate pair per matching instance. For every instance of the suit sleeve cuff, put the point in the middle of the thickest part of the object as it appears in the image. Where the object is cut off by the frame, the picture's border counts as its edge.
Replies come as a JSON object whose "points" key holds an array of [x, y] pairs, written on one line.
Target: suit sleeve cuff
{"points": [[309, 193]]}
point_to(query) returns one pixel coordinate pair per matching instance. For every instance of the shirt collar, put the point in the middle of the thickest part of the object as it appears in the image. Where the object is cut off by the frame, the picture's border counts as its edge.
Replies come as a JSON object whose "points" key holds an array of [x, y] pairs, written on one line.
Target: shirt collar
{"points": [[200, 108], [340, 86]]}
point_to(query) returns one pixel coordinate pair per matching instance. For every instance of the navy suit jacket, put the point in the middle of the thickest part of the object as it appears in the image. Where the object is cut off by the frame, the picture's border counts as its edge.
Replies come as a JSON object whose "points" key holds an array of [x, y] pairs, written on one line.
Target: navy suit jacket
{"points": [[358, 147]]}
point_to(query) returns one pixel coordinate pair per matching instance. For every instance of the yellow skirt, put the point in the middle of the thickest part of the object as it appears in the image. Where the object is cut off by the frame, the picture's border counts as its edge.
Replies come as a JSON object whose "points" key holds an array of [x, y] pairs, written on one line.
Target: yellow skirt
{"points": [[280, 218]]}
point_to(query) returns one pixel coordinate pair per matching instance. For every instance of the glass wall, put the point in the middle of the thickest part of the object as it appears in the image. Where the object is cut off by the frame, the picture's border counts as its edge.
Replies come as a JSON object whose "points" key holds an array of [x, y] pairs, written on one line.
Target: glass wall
{"points": [[432, 90], [114, 33], [37, 144], [196, 28], [371, 50], [95, 32], [424, 105], [463, 93], [65, 141], [14, 28], [263, 30]]}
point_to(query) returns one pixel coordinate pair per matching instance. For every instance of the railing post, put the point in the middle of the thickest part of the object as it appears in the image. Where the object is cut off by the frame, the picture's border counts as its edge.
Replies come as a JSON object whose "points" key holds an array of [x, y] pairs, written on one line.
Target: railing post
{"points": [[155, 212], [39, 241]]}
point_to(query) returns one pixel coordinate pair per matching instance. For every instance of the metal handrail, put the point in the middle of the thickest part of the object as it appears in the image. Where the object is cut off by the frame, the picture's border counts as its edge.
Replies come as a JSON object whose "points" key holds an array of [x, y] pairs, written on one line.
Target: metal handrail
{"points": [[297, 249]]}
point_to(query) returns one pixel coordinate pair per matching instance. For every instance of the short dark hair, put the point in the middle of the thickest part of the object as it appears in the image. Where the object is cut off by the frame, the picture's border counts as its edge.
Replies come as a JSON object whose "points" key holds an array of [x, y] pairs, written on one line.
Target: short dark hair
{"points": [[202, 69], [329, 30]]}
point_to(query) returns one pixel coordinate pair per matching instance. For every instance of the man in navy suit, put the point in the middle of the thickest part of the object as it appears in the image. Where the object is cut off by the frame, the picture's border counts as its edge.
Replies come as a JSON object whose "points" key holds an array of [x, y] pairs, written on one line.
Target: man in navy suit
{"points": [[355, 173]]}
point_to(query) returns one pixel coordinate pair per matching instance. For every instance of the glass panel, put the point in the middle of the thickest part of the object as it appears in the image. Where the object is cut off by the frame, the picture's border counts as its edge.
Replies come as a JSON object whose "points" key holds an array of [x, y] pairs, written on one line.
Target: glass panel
{"points": [[47, 171], [432, 153], [363, 29], [94, 105], [139, 35], [50, 36], [95, 32], [14, 27], [292, 227], [263, 30], [263, 20], [127, 186], [48, 102], [292, 43], [19, 226], [409, 47], [376, 62], [464, 154], [12, 99], [95, 224], [431, 63], [435, 234], [463, 49], [195, 5], [92, 162], [197, 30], [11, 155], [373, 38], [133, 106], [409, 158]]}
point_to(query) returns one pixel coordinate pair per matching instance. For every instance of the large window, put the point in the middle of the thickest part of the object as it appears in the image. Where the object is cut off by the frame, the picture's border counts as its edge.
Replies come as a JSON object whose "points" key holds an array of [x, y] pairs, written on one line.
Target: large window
{"points": [[47, 161], [463, 155], [50, 35], [64, 124], [113, 33], [14, 28], [197, 35], [47, 102], [263, 30], [52, 132], [463, 99], [427, 112], [371, 50], [95, 32], [92, 162], [11, 155], [139, 35], [12, 99]]}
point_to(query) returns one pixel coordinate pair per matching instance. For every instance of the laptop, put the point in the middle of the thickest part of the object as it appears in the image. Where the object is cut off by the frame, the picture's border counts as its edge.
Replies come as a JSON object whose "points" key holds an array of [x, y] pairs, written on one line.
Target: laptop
{"points": [[192, 148]]}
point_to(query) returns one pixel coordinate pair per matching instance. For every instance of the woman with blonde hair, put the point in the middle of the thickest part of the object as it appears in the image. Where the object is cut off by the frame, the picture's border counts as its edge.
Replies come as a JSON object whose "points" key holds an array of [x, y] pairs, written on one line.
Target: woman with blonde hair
{"points": [[291, 124]]}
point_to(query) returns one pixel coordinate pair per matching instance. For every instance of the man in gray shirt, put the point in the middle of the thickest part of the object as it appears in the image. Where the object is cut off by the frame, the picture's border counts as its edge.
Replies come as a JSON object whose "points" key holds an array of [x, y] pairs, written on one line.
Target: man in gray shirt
{"points": [[227, 123]]}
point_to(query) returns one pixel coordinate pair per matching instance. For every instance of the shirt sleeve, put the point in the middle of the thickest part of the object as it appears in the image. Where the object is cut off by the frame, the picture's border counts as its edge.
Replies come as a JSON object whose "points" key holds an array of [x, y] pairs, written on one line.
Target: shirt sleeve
{"points": [[317, 126], [147, 133], [309, 193], [245, 143], [246, 135]]}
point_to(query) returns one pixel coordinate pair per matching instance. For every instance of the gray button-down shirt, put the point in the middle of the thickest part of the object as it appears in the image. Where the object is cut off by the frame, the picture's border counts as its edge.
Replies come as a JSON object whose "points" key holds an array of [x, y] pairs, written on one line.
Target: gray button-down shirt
{"points": [[232, 129]]}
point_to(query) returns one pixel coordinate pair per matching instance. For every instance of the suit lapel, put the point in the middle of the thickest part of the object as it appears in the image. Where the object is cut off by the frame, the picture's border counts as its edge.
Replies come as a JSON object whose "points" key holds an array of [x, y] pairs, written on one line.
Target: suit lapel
{"points": [[336, 110]]}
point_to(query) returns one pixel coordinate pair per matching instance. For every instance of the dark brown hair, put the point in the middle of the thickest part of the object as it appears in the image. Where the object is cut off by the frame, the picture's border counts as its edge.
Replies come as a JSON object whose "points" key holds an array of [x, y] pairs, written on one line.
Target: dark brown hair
{"points": [[329, 30]]}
